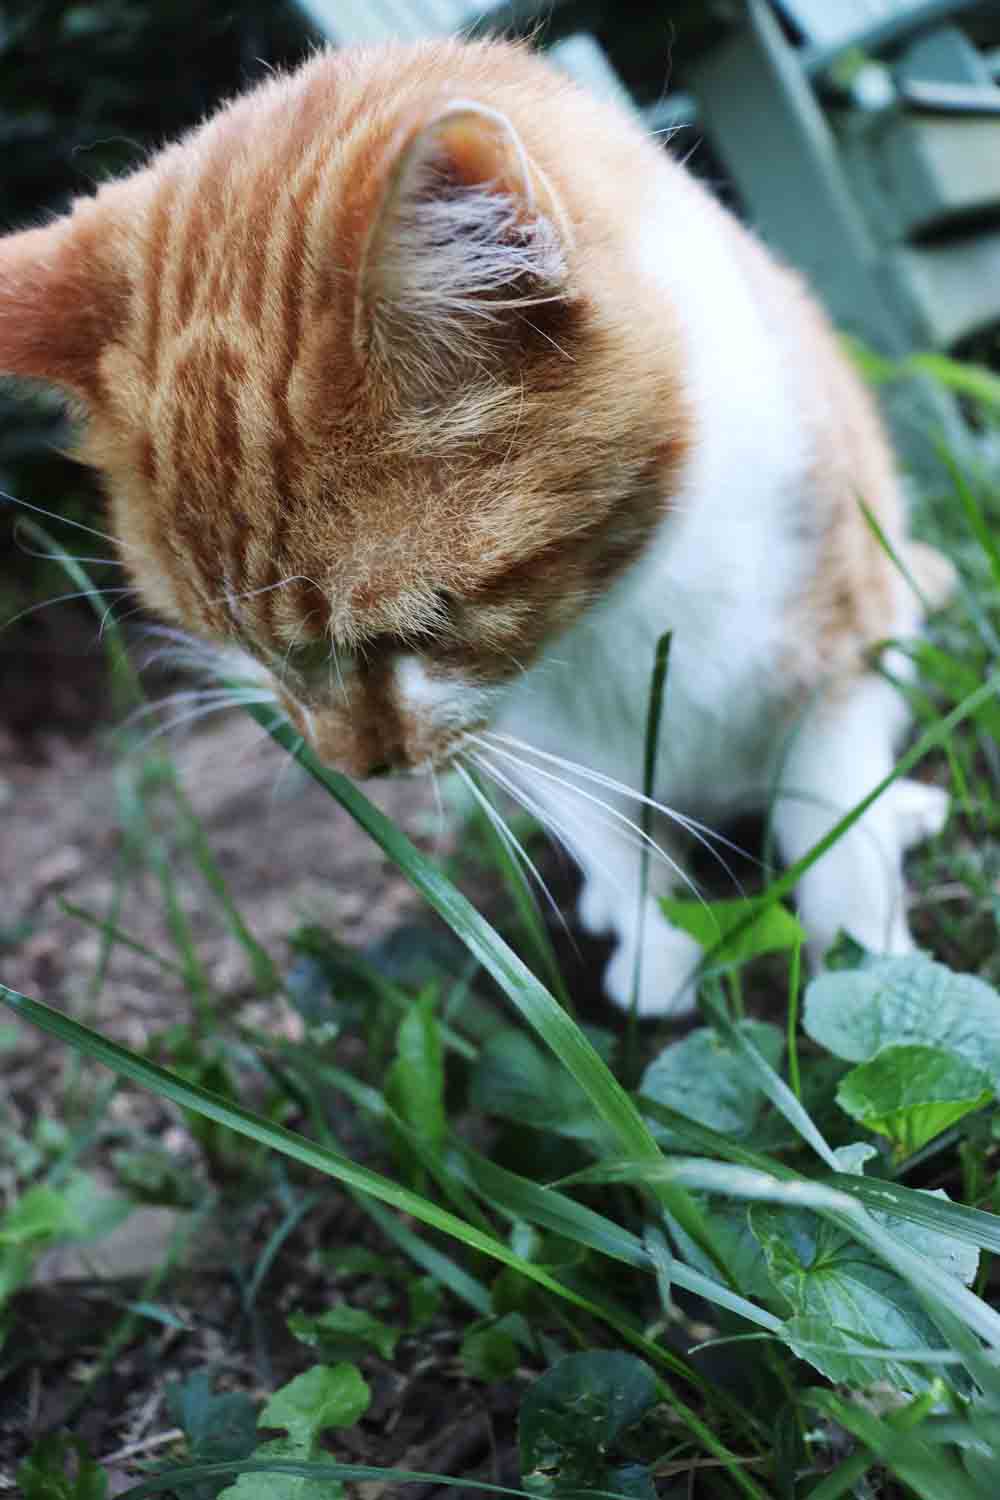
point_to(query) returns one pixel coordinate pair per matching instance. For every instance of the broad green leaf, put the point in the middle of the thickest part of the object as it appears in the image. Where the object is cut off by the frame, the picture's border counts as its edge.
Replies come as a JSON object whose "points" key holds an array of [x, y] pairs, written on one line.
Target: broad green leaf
{"points": [[37, 1217], [844, 1356], [42, 1475], [833, 1283], [707, 1080], [217, 1427], [415, 1085], [913, 1093], [926, 1469], [575, 1422], [325, 1396], [275, 1485], [731, 1226], [773, 931], [956, 1256], [344, 1331], [490, 1353], [75, 1211], [910, 1001], [514, 1079]]}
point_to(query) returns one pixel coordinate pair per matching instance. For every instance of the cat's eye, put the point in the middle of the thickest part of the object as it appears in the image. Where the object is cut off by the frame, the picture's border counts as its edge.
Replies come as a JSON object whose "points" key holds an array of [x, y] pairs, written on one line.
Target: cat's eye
{"points": [[309, 656]]}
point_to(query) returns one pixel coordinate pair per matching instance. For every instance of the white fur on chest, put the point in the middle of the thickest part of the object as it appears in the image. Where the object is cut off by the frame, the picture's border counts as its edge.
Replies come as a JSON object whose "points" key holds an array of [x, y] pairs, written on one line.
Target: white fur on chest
{"points": [[722, 569]]}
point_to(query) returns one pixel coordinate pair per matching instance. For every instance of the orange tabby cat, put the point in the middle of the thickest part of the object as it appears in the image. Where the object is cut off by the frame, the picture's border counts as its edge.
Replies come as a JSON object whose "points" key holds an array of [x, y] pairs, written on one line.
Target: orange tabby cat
{"points": [[437, 391]]}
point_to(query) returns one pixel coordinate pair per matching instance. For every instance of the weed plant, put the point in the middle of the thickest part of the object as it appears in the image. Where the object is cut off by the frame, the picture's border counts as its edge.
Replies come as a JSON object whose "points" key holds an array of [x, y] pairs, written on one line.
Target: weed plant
{"points": [[756, 1260]]}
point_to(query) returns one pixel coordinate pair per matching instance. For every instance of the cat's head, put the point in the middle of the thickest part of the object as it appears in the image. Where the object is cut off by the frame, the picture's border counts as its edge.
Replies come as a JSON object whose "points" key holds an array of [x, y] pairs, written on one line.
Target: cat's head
{"points": [[380, 395]]}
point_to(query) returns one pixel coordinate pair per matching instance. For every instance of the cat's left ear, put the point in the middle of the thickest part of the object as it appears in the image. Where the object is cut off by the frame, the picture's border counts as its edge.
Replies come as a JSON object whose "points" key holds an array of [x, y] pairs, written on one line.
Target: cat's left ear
{"points": [[468, 236], [58, 306]]}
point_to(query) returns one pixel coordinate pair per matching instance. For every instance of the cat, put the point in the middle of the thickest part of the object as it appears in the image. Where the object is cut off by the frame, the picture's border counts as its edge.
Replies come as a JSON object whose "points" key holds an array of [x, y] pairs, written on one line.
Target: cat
{"points": [[432, 391]]}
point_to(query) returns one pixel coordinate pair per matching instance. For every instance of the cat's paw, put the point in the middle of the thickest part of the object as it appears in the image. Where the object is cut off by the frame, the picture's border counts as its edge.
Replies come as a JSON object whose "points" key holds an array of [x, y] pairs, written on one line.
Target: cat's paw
{"points": [[920, 810], [670, 960]]}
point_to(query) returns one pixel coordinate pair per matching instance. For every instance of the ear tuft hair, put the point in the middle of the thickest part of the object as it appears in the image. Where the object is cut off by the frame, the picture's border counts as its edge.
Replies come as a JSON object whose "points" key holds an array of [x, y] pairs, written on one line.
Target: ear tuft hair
{"points": [[468, 232]]}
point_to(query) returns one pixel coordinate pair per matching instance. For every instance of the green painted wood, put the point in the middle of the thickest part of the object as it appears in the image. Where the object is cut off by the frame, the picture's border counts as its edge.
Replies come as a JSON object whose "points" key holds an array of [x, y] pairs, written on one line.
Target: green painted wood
{"points": [[954, 287], [836, 22], [784, 158], [797, 190], [916, 170], [831, 26]]}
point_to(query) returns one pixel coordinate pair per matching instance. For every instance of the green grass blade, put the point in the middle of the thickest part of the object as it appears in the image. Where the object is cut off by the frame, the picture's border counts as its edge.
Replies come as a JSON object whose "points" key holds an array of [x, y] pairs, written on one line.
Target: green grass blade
{"points": [[538, 1007], [972, 1225], [115, 935], [265, 971], [529, 995], [458, 1281], [185, 1477], [520, 1198], [651, 746], [772, 1084], [931, 1474], [946, 1299], [978, 524], [192, 1096], [448, 1272]]}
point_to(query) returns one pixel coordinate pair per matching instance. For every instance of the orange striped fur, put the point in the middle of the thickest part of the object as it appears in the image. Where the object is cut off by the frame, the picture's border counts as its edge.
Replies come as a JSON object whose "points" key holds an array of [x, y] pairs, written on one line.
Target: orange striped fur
{"points": [[312, 432]]}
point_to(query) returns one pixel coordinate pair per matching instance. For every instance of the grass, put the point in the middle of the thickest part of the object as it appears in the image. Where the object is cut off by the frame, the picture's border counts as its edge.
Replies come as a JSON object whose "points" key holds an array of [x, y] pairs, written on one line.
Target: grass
{"points": [[755, 1260]]}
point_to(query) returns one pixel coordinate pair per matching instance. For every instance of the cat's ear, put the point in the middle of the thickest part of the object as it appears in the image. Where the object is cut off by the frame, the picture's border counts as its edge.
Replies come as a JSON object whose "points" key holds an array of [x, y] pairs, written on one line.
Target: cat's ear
{"points": [[54, 309], [467, 238]]}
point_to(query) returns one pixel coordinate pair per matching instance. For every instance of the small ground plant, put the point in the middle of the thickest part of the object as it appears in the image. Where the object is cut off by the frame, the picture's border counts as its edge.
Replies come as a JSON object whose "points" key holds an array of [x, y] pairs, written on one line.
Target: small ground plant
{"points": [[755, 1259]]}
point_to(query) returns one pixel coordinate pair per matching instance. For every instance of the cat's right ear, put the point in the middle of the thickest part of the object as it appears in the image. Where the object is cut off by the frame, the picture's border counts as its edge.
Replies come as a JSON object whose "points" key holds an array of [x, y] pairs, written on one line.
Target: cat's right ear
{"points": [[467, 238], [55, 307]]}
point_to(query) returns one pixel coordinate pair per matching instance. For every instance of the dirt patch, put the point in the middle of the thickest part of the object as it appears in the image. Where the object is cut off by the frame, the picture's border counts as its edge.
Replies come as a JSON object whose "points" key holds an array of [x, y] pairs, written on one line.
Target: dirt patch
{"points": [[286, 852]]}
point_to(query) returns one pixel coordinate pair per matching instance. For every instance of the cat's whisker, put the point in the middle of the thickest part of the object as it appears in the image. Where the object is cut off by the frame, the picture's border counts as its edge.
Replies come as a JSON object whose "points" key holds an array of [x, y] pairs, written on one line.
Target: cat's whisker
{"points": [[54, 515], [335, 666], [183, 650], [26, 551], [704, 835], [562, 838], [439, 802], [510, 841], [654, 848], [189, 695], [541, 331], [267, 588], [229, 600], [64, 599], [202, 711], [290, 762], [584, 819]]}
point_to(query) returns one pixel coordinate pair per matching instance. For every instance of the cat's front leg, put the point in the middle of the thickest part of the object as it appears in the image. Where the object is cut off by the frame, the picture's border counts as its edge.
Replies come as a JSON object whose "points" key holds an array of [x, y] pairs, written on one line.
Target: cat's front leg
{"points": [[609, 903], [839, 752]]}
